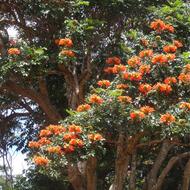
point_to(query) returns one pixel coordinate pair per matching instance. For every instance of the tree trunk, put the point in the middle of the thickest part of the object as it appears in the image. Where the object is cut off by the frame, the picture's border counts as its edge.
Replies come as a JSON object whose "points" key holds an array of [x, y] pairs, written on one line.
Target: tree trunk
{"points": [[186, 177], [121, 164], [132, 181], [91, 173], [75, 177], [152, 176]]}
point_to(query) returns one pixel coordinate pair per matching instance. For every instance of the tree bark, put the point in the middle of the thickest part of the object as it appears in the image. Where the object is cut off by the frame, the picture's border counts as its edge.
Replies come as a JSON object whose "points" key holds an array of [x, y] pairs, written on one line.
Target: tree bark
{"points": [[186, 177], [152, 176], [75, 177], [132, 181], [91, 173], [121, 164]]}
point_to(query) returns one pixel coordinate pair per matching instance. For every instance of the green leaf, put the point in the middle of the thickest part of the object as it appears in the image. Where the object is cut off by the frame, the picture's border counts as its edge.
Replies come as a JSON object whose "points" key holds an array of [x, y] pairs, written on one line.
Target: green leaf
{"points": [[71, 112], [39, 51], [83, 3], [115, 92]]}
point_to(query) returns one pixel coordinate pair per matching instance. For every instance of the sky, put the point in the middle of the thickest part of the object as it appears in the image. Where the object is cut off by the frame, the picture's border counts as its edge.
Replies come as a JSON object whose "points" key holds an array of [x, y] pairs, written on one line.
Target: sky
{"points": [[18, 162], [12, 32]]}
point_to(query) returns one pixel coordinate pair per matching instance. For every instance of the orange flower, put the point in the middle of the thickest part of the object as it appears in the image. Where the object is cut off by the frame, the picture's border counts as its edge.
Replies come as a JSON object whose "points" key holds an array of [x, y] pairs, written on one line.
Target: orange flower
{"points": [[54, 149], [187, 68], [33, 144], [134, 61], [91, 136], [104, 83], [135, 76], [146, 53], [64, 42], [80, 143], [67, 53], [45, 133], [169, 28], [122, 86], [184, 105], [144, 69], [119, 69], [177, 43], [44, 141], [73, 142], [83, 107], [170, 49], [185, 78], [113, 60], [170, 80], [167, 118], [95, 137], [158, 25], [147, 109], [108, 70], [145, 88], [160, 58], [76, 142], [13, 51], [124, 99], [75, 129], [170, 56], [164, 88], [41, 161], [56, 129], [126, 75], [69, 148], [95, 99], [98, 137], [69, 136], [137, 115]]}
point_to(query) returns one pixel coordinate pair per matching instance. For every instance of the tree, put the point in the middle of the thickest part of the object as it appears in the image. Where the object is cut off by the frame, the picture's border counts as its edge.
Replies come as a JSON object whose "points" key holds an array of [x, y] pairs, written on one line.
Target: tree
{"points": [[146, 104], [39, 83]]}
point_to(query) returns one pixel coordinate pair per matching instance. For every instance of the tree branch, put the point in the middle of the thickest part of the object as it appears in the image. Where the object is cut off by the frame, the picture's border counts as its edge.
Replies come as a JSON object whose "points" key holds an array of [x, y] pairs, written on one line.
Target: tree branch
{"points": [[166, 170]]}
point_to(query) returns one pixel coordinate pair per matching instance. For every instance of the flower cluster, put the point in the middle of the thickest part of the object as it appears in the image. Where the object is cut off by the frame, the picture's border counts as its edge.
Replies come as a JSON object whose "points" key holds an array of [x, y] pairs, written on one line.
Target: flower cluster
{"points": [[185, 106], [67, 43], [83, 107], [167, 118], [14, 51], [71, 139], [104, 83], [95, 99], [159, 26], [163, 88], [64, 42], [113, 60], [68, 53]]}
